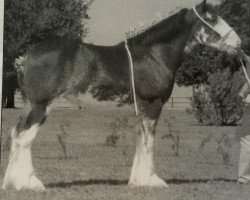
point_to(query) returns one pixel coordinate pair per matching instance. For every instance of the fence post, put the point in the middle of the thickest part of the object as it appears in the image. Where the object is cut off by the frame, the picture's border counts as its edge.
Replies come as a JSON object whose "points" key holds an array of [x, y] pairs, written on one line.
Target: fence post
{"points": [[172, 102], [1, 70]]}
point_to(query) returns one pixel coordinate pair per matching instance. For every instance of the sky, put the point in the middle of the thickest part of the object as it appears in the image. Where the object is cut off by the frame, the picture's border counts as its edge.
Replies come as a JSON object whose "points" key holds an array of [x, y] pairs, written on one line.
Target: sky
{"points": [[111, 19]]}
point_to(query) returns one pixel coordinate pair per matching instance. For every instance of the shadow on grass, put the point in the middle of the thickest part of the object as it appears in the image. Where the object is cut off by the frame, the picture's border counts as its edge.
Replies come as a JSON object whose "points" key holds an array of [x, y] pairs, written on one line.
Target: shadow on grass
{"points": [[125, 182]]}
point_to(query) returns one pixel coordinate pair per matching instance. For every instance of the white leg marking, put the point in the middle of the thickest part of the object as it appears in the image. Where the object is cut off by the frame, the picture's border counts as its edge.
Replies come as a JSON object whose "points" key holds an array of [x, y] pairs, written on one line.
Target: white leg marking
{"points": [[48, 109], [142, 173], [20, 173]]}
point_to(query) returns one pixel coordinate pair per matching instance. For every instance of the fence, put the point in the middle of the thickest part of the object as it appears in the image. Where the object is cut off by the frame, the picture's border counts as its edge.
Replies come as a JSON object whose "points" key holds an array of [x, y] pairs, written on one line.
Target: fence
{"points": [[173, 103], [179, 102]]}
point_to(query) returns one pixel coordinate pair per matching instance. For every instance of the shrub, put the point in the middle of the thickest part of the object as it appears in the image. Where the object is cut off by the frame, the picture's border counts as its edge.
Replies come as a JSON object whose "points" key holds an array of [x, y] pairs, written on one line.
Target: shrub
{"points": [[173, 135], [201, 106], [218, 102], [224, 144], [62, 138], [117, 125], [112, 140]]}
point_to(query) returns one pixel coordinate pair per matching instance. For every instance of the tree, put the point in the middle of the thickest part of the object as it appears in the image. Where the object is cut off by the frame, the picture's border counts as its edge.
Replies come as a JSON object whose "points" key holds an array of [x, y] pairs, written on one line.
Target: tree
{"points": [[27, 22], [203, 61]]}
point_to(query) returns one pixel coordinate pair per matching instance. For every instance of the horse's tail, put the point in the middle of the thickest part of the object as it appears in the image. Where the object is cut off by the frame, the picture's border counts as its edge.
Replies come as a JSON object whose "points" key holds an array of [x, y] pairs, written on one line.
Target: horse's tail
{"points": [[19, 65]]}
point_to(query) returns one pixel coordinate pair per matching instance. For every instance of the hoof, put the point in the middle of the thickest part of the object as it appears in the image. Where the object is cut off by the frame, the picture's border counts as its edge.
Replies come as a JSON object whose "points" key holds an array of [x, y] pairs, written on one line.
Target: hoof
{"points": [[32, 184], [35, 184], [152, 181], [157, 182]]}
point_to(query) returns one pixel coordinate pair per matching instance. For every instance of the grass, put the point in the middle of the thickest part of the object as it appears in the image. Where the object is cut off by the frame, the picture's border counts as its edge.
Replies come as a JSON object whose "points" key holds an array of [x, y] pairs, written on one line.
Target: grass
{"points": [[94, 170]]}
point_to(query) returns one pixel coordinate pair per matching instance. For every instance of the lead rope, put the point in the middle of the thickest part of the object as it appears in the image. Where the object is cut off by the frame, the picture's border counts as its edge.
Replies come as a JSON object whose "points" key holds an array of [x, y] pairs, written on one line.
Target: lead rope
{"points": [[132, 80], [132, 76], [243, 66], [245, 72]]}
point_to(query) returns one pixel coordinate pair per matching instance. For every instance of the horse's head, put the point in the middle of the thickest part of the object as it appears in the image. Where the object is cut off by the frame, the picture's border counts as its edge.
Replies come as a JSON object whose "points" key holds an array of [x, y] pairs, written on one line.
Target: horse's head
{"points": [[211, 30]]}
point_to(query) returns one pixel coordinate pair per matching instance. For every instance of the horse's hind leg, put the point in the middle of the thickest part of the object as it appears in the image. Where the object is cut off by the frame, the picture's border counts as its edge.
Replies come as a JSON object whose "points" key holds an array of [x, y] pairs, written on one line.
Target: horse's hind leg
{"points": [[20, 173], [142, 173]]}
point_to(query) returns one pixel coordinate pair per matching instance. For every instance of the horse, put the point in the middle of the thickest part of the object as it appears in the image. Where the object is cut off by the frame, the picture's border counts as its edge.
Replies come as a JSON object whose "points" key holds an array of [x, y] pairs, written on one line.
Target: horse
{"points": [[66, 67]]}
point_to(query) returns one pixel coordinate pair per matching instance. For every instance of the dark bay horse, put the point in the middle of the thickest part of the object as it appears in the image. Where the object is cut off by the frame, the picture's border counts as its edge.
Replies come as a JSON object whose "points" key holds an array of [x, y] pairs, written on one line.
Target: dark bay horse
{"points": [[63, 67]]}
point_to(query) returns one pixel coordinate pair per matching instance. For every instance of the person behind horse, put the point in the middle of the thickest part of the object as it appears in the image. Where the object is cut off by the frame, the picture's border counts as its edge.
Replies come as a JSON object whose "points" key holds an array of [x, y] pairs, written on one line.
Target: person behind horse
{"points": [[244, 132]]}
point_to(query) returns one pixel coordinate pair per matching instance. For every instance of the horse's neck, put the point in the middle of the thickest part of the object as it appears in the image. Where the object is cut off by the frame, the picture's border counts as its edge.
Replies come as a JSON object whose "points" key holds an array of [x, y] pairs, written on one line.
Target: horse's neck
{"points": [[171, 36], [168, 49]]}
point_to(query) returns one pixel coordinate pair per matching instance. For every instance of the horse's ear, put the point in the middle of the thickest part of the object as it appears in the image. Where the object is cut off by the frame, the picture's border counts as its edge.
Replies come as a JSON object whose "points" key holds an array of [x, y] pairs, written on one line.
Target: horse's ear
{"points": [[201, 8], [204, 6]]}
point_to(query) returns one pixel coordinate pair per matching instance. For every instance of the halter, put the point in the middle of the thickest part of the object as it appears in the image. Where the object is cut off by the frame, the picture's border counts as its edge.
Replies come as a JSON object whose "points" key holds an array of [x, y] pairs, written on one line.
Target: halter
{"points": [[222, 33]]}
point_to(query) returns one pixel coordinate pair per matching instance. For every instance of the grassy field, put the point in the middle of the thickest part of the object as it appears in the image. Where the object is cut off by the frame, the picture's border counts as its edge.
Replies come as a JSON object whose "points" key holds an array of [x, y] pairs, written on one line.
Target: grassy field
{"points": [[93, 170]]}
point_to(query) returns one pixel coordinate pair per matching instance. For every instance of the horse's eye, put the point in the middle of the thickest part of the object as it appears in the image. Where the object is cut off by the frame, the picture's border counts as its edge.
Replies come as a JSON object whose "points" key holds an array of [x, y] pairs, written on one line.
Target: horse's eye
{"points": [[213, 19]]}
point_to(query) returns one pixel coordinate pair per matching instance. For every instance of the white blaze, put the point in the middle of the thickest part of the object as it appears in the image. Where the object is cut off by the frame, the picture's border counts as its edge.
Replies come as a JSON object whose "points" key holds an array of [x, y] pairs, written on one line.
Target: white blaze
{"points": [[202, 36]]}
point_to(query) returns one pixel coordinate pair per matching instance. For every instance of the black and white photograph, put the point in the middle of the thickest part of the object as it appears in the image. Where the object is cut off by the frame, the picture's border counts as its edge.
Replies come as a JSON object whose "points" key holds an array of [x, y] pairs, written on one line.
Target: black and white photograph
{"points": [[125, 100]]}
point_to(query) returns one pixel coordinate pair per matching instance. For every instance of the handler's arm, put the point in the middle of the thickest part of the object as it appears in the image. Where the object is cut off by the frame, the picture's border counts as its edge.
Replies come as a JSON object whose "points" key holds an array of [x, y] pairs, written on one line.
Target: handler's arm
{"points": [[245, 90]]}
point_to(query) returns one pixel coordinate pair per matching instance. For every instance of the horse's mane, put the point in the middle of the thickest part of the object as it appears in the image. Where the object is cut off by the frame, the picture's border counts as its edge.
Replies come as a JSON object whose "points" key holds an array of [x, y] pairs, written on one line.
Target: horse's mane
{"points": [[172, 25], [212, 9], [136, 31]]}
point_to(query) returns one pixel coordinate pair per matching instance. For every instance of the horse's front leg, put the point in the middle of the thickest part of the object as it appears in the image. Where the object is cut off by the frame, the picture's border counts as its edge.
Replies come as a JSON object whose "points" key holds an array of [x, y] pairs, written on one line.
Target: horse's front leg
{"points": [[143, 173]]}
